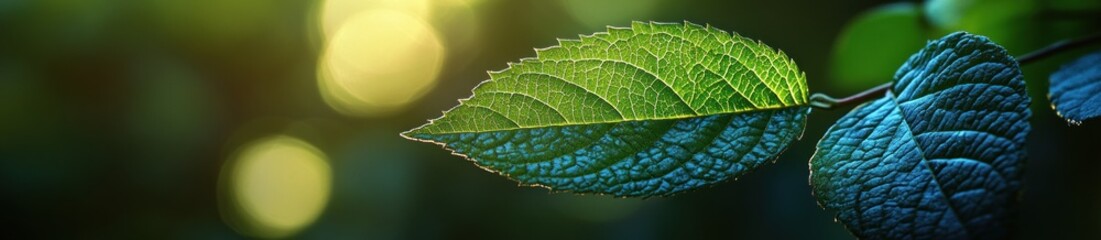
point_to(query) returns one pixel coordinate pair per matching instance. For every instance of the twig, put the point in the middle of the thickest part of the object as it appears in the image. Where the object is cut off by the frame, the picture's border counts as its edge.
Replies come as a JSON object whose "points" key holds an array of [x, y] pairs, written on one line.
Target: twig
{"points": [[823, 101]]}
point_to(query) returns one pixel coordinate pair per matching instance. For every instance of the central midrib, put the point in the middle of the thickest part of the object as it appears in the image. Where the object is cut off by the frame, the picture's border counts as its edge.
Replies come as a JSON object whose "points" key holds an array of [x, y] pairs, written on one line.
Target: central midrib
{"points": [[677, 117]]}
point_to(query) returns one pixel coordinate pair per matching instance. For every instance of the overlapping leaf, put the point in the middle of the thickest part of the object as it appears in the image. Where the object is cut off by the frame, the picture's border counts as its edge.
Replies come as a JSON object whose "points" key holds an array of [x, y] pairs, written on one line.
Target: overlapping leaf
{"points": [[1075, 89], [654, 109], [939, 157]]}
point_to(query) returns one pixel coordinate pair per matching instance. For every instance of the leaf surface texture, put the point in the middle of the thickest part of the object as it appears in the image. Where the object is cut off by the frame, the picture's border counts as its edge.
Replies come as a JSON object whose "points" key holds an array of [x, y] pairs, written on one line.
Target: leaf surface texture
{"points": [[654, 109], [940, 156], [1075, 89]]}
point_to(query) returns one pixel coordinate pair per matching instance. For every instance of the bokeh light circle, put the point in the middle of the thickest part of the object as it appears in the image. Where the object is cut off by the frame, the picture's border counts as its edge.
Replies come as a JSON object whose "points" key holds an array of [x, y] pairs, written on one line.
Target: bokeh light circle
{"points": [[276, 186], [378, 62], [335, 13]]}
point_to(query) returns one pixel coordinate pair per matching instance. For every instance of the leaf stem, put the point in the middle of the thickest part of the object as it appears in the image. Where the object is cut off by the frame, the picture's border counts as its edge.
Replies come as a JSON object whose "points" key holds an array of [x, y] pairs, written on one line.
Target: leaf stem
{"points": [[823, 101]]}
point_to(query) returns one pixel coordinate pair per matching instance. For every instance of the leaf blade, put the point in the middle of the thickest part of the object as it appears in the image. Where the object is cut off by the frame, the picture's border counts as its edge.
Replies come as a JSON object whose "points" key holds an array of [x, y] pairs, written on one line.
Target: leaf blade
{"points": [[635, 158], [940, 156], [1075, 89], [677, 62], [615, 91]]}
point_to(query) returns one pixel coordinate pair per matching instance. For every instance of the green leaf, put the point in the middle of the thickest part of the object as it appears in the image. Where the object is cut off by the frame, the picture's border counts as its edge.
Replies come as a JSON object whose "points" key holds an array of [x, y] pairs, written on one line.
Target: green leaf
{"points": [[874, 44], [940, 156], [1075, 89], [654, 109]]}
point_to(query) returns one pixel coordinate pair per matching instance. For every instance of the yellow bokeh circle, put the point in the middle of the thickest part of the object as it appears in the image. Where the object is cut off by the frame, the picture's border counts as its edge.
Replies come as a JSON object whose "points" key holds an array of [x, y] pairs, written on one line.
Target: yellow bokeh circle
{"points": [[275, 187], [378, 62], [335, 13]]}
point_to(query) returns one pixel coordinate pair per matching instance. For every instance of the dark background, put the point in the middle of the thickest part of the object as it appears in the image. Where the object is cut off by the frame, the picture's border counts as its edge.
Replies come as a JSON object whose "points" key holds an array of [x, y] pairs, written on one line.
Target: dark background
{"points": [[117, 118]]}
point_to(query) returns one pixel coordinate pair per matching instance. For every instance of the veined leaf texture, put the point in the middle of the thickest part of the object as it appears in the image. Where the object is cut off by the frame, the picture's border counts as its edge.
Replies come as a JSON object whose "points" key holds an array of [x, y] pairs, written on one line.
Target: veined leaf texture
{"points": [[650, 110], [1075, 89], [940, 156]]}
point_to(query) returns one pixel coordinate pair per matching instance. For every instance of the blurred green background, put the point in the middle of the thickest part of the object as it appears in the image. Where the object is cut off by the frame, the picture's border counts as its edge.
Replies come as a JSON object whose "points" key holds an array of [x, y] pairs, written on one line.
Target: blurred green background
{"points": [[186, 119]]}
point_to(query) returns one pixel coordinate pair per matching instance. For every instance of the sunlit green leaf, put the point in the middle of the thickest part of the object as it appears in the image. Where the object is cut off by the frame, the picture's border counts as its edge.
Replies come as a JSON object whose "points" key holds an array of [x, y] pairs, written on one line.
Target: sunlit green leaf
{"points": [[654, 109]]}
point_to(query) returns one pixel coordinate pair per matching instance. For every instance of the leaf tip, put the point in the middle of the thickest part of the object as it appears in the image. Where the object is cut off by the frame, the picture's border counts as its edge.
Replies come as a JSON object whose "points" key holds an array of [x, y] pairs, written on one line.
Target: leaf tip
{"points": [[414, 134], [408, 134]]}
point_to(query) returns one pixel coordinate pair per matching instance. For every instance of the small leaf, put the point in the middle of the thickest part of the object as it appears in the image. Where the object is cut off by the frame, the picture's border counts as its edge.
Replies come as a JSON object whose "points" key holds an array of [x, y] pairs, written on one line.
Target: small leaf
{"points": [[874, 44], [654, 109], [1075, 89], [940, 156]]}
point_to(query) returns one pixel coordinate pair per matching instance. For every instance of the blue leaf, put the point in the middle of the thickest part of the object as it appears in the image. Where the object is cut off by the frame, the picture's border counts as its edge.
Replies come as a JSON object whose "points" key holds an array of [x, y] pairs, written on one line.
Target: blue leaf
{"points": [[635, 158], [940, 156], [1076, 89]]}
